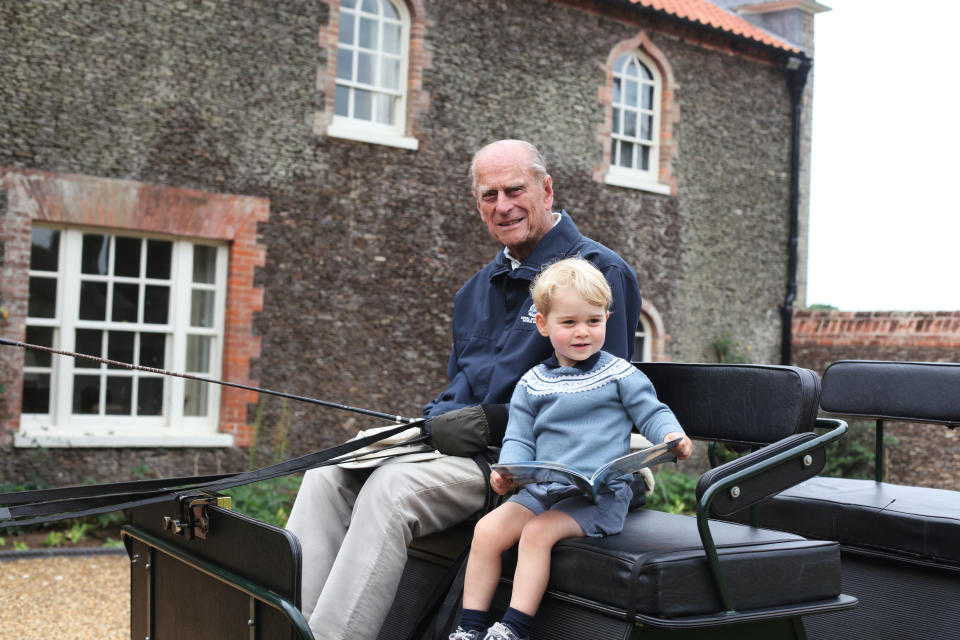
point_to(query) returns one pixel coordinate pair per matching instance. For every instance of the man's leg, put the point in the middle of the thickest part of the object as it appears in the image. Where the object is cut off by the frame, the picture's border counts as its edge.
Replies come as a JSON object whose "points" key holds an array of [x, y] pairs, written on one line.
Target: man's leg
{"points": [[319, 518], [399, 501]]}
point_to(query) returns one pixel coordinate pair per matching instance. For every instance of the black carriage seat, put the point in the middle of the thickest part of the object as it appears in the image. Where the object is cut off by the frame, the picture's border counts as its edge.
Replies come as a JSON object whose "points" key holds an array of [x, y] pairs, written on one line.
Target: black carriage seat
{"points": [[913, 523], [674, 571], [899, 544]]}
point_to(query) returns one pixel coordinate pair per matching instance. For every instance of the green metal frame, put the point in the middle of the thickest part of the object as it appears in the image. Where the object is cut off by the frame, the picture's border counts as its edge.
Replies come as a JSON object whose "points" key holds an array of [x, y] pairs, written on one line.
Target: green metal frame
{"points": [[255, 591], [839, 429]]}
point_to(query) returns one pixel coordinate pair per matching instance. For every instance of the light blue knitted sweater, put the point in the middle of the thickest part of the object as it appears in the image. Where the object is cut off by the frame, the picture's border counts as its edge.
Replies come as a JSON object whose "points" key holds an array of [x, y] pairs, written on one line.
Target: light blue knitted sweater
{"points": [[582, 416]]}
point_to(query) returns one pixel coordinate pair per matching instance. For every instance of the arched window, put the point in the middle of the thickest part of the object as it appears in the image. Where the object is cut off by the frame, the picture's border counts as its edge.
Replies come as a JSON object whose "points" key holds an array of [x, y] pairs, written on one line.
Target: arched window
{"points": [[650, 339], [635, 133], [372, 52], [643, 340]]}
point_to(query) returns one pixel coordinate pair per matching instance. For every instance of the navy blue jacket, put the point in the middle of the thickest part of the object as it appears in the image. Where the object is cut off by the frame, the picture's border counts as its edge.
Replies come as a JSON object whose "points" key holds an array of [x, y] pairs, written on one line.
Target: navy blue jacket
{"points": [[495, 338]]}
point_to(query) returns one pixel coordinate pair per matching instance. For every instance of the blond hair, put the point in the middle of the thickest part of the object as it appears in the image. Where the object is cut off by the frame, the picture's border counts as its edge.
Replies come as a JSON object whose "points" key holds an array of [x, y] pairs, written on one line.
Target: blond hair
{"points": [[576, 273]]}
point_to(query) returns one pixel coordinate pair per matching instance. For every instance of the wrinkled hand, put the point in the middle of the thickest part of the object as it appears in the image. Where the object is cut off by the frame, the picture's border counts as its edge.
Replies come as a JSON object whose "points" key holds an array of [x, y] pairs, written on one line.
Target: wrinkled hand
{"points": [[501, 484], [684, 448]]}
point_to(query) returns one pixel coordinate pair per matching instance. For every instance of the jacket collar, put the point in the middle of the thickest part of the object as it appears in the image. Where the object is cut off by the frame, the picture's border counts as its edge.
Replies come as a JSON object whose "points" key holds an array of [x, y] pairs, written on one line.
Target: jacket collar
{"points": [[583, 365], [558, 242]]}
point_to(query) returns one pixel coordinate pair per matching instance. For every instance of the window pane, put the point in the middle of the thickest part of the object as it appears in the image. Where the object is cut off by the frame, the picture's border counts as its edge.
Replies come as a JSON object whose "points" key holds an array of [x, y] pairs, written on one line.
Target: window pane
{"points": [[362, 108], [638, 341], [620, 63], [156, 304], [150, 397], [630, 123], [391, 38], [644, 72], [119, 396], [646, 126], [43, 298], [348, 4], [127, 260], [86, 394], [626, 154], [42, 336], [44, 249], [195, 398], [648, 96], [341, 101], [36, 393], [368, 33], [630, 93], [159, 258], [370, 6], [152, 348], [631, 69], [201, 308], [390, 73], [616, 90], [88, 342], [126, 300], [346, 28], [616, 120], [204, 264], [198, 354], [344, 64], [94, 258], [120, 347], [385, 109], [93, 300], [644, 157], [389, 10], [365, 68]]}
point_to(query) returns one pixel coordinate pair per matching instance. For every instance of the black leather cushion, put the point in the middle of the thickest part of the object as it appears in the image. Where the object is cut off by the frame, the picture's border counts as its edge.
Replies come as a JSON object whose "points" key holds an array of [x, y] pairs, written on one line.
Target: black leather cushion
{"points": [[740, 404], [909, 391], [914, 522], [657, 567]]}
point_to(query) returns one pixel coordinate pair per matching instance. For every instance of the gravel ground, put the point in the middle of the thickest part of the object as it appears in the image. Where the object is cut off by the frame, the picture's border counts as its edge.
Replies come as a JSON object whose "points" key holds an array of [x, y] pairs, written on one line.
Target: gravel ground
{"points": [[80, 597]]}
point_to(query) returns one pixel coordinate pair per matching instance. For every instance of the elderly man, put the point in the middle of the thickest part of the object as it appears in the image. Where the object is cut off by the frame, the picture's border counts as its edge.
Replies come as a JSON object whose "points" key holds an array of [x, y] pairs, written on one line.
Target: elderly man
{"points": [[354, 525]]}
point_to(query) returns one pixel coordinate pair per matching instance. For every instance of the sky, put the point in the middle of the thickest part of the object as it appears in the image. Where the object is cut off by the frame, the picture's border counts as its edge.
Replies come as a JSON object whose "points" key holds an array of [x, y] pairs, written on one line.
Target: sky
{"points": [[884, 217]]}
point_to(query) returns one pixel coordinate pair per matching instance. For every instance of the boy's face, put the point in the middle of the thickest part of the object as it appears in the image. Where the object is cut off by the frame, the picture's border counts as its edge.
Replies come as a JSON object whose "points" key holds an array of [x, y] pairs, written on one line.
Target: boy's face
{"points": [[575, 327]]}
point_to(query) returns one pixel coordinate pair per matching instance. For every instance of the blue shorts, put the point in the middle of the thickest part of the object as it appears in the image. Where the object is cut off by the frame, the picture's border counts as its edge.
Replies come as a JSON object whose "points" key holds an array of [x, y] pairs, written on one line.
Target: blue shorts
{"points": [[604, 518]]}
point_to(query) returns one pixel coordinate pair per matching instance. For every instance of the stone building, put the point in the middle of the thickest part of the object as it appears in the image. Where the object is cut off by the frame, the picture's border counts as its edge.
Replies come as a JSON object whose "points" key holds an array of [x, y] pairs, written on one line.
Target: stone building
{"points": [[275, 194]]}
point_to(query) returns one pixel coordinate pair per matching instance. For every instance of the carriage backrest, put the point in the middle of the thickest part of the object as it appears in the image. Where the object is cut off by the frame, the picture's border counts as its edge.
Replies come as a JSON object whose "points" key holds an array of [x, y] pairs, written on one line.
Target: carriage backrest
{"points": [[906, 391], [748, 404]]}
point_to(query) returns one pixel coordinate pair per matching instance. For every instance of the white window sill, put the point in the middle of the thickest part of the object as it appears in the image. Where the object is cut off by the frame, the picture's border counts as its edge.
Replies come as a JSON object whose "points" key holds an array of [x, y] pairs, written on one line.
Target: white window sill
{"points": [[634, 180], [73, 439], [370, 133]]}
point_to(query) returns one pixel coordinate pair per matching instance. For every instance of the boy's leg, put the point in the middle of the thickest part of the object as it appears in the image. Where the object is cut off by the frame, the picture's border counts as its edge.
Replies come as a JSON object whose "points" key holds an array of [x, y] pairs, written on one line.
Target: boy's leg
{"points": [[533, 557], [494, 533]]}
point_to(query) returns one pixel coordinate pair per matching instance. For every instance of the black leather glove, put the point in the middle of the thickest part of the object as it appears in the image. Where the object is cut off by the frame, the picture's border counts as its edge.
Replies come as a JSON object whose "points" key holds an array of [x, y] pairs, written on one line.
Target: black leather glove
{"points": [[468, 431]]}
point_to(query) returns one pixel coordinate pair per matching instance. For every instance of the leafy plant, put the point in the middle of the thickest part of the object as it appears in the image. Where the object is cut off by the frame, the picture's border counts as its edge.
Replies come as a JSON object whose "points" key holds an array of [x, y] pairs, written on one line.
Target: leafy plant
{"points": [[729, 350], [853, 456], [673, 492], [269, 501], [19, 545], [77, 532], [54, 539]]}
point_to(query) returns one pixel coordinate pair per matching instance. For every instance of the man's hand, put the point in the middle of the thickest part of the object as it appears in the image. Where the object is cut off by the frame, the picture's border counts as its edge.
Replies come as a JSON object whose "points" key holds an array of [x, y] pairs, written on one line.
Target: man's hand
{"points": [[501, 484], [684, 448]]}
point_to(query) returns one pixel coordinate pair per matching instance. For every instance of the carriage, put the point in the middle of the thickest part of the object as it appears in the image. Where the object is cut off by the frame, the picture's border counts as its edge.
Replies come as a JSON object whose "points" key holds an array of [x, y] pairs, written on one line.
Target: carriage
{"points": [[774, 550]]}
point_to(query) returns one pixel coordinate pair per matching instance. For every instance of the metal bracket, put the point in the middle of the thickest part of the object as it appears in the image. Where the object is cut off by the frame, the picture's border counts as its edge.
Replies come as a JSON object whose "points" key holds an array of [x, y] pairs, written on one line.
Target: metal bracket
{"points": [[192, 520]]}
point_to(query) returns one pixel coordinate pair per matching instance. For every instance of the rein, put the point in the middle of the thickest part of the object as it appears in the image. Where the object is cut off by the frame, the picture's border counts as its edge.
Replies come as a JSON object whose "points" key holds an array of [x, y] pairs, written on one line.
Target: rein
{"points": [[25, 508]]}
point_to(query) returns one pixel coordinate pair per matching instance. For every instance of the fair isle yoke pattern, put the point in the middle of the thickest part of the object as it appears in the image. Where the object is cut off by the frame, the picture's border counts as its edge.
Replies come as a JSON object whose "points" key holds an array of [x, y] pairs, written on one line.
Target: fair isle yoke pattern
{"points": [[542, 380]]}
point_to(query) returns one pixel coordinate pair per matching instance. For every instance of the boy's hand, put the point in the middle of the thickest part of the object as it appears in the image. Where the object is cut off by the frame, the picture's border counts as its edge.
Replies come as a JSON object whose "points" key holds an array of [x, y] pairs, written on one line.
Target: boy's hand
{"points": [[501, 484], [684, 448]]}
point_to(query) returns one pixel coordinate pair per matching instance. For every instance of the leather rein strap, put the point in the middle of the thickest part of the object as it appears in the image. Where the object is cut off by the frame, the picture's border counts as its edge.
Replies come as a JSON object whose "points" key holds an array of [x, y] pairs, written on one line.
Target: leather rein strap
{"points": [[26, 508]]}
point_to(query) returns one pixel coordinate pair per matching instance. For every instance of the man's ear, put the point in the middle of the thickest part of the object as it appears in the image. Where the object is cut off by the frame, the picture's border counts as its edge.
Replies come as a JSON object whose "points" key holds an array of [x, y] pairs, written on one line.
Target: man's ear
{"points": [[542, 325]]}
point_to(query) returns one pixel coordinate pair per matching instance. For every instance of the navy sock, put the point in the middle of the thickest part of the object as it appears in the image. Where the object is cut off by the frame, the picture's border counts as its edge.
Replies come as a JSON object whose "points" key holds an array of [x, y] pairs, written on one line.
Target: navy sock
{"points": [[473, 620], [518, 621]]}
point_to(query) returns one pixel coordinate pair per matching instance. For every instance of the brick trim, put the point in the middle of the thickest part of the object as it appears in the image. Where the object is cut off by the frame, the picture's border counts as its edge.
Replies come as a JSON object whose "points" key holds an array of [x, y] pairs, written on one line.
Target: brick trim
{"points": [[121, 204], [669, 112], [877, 328]]}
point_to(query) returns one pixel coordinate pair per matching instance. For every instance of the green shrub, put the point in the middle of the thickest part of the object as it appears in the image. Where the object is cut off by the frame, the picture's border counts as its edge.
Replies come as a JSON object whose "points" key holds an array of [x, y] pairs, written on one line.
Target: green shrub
{"points": [[269, 501], [673, 492], [853, 456]]}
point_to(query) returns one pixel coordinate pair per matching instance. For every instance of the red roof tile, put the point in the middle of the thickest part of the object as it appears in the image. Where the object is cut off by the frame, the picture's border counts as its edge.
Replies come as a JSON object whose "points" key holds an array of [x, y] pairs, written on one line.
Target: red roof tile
{"points": [[709, 14]]}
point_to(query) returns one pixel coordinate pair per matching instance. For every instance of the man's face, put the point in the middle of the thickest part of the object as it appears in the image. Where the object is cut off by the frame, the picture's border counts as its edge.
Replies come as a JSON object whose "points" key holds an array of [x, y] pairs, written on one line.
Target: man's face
{"points": [[515, 205]]}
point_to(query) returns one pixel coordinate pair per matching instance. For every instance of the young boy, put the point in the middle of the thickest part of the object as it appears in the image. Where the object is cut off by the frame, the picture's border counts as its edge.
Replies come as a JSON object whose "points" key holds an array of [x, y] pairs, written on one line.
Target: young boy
{"points": [[578, 407]]}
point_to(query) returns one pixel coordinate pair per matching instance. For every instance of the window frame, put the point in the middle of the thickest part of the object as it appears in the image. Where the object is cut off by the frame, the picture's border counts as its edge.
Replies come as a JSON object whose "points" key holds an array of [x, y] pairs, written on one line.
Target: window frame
{"points": [[60, 427], [634, 178], [370, 131]]}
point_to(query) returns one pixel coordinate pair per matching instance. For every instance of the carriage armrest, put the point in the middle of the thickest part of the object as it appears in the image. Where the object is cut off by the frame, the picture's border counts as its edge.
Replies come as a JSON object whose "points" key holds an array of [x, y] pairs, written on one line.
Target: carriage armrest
{"points": [[756, 476]]}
